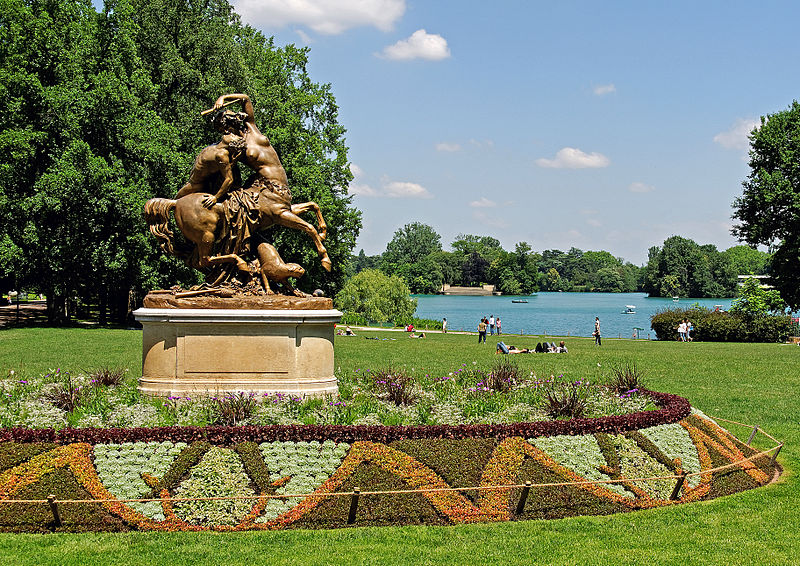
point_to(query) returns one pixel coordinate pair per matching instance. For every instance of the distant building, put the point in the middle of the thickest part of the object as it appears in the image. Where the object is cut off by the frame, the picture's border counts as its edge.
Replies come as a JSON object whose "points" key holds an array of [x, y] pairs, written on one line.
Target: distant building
{"points": [[763, 280]]}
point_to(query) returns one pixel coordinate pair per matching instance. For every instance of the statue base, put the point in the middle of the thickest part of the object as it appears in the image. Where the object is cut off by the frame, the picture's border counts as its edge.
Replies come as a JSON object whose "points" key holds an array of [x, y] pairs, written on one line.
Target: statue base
{"points": [[211, 351]]}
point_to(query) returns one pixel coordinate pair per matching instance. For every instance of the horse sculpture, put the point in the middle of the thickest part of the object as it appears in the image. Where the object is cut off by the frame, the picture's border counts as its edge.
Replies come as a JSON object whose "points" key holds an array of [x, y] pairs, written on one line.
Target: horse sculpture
{"points": [[230, 223], [220, 217]]}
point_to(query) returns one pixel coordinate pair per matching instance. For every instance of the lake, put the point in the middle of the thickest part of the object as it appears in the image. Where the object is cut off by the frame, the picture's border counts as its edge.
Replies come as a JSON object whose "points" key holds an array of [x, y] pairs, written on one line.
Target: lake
{"points": [[555, 314]]}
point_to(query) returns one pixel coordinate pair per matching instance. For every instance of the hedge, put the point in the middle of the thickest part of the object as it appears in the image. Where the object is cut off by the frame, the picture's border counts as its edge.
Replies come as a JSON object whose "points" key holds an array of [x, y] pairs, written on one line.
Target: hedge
{"points": [[716, 326]]}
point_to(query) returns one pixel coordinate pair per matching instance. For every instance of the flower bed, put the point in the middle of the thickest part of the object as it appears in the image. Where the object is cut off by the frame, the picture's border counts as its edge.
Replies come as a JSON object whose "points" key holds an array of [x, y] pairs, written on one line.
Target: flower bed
{"points": [[239, 478]]}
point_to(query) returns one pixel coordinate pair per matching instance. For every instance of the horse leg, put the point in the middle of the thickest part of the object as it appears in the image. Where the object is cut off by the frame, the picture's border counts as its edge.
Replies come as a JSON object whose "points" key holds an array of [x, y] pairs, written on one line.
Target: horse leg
{"points": [[290, 220], [300, 208], [206, 260]]}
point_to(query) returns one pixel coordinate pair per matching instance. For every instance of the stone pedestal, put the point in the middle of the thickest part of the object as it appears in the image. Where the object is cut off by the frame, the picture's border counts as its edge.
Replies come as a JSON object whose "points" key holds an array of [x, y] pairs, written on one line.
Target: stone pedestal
{"points": [[208, 351]]}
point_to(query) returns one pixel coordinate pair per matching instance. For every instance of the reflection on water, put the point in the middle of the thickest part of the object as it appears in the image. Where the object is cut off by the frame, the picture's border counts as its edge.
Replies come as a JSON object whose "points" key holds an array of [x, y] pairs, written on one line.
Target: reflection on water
{"points": [[555, 314]]}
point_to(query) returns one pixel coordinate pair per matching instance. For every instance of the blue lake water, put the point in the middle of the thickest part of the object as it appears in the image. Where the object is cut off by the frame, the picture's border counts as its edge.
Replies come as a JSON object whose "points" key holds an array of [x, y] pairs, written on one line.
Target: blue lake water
{"points": [[555, 314]]}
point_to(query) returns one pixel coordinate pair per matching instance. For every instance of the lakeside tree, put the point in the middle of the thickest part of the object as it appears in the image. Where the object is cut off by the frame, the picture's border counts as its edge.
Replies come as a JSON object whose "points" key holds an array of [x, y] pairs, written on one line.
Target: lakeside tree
{"points": [[769, 209], [746, 260], [376, 296], [682, 267], [753, 301], [101, 111], [410, 255]]}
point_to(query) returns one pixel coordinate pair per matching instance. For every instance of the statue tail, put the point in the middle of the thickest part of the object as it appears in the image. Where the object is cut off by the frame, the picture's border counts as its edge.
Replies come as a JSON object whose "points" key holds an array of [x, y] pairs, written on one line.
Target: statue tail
{"points": [[156, 214]]}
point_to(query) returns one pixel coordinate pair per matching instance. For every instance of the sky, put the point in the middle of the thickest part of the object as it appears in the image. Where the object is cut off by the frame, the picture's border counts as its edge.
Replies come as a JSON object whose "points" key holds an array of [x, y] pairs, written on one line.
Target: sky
{"points": [[599, 125]]}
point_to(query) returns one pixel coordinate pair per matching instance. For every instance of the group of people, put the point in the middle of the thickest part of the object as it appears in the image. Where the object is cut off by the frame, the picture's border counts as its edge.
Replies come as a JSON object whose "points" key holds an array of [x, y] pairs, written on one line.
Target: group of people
{"points": [[491, 324], [685, 330], [541, 348]]}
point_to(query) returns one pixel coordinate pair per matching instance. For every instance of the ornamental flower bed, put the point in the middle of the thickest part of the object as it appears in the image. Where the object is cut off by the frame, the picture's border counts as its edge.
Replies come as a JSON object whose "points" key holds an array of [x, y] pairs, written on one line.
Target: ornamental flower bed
{"points": [[303, 476]]}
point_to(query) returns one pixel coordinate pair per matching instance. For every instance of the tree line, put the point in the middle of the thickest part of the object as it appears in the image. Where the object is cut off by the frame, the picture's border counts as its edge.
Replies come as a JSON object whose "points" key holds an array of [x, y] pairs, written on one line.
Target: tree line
{"points": [[100, 111], [679, 267]]}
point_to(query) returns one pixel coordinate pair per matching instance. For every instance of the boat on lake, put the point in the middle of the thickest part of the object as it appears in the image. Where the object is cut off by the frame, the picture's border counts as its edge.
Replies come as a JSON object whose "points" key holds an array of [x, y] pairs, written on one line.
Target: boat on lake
{"points": [[519, 300], [629, 309]]}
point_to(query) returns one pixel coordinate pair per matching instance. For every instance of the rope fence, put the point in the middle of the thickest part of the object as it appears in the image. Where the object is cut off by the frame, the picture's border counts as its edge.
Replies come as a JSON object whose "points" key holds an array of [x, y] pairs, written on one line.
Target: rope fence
{"points": [[356, 494]]}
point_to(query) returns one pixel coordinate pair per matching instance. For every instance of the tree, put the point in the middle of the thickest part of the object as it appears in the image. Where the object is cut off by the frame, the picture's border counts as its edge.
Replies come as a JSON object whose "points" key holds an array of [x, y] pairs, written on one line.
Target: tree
{"points": [[411, 243], [769, 209], [485, 246], [753, 301], [475, 270], [100, 112], [745, 260], [376, 296], [682, 267]]}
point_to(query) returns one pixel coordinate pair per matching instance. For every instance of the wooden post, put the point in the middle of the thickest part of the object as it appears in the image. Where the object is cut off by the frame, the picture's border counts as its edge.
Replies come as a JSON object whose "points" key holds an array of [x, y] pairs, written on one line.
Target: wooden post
{"points": [[775, 455], [51, 500], [752, 435], [523, 498], [678, 486], [351, 517]]}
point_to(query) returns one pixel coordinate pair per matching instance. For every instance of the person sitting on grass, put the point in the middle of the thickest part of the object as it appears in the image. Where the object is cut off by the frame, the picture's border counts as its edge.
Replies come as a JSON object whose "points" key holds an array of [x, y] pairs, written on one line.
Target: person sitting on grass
{"points": [[561, 348]]}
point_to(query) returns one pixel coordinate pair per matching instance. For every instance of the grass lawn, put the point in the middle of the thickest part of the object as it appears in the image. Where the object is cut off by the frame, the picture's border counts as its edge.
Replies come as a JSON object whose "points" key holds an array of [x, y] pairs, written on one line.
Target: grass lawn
{"points": [[750, 383]]}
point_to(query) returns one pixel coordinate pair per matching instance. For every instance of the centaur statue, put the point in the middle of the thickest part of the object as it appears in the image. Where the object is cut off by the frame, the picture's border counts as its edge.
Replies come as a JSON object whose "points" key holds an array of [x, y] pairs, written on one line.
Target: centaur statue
{"points": [[219, 214]]}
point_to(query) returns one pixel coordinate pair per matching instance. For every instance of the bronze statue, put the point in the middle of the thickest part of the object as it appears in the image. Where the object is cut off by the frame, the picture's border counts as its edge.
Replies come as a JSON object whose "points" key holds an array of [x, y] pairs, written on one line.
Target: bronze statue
{"points": [[272, 267], [219, 215]]}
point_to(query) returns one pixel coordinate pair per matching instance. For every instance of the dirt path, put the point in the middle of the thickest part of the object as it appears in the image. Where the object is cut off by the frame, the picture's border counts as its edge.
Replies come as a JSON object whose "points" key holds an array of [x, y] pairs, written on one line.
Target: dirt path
{"points": [[29, 313]]}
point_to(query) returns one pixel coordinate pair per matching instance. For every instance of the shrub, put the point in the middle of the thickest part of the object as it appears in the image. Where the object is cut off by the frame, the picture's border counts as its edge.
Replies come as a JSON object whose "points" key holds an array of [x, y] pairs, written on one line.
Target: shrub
{"points": [[713, 326], [65, 395], [503, 377], [234, 408], [395, 386], [420, 323], [566, 400], [626, 378], [108, 376]]}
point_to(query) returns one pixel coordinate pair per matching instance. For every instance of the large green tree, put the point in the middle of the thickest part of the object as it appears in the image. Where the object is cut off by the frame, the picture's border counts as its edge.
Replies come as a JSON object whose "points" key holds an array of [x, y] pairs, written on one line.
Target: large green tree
{"points": [[101, 111], [377, 296], [411, 255], [769, 209], [682, 267]]}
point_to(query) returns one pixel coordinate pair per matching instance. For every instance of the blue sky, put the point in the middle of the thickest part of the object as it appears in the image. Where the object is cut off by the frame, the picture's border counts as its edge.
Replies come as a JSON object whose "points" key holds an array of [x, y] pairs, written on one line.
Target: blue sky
{"points": [[599, 125]]}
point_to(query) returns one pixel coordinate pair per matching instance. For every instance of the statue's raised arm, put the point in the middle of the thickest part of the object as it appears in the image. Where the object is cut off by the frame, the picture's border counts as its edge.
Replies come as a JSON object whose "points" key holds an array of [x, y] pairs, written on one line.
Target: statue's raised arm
{"points": [[247, 105]]}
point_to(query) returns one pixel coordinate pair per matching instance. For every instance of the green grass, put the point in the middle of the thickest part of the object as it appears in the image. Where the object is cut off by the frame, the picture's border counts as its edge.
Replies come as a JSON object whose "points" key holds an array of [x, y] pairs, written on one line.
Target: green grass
{"points": [[751, 383]]}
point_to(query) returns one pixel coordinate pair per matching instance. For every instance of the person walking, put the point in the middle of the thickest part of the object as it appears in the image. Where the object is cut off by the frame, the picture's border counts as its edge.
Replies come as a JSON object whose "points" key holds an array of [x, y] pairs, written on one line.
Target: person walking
{"points": [[682, 331], [596, 333], [444, 325], [491, 324], [497, 324], [482, 331]]}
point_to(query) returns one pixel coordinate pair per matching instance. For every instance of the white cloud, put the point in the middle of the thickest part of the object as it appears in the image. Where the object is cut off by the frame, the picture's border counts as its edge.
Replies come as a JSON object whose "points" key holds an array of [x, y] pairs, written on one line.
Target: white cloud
{"points": [[357, 186], [594, 222], [304, 37], [330, 17], [390, 189], [361, 190], [482, 144], [736, 136], [601, 90], [421, 45], [404, 189], [483, 202], [638, 187], [573, 158], [449, 147]]}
